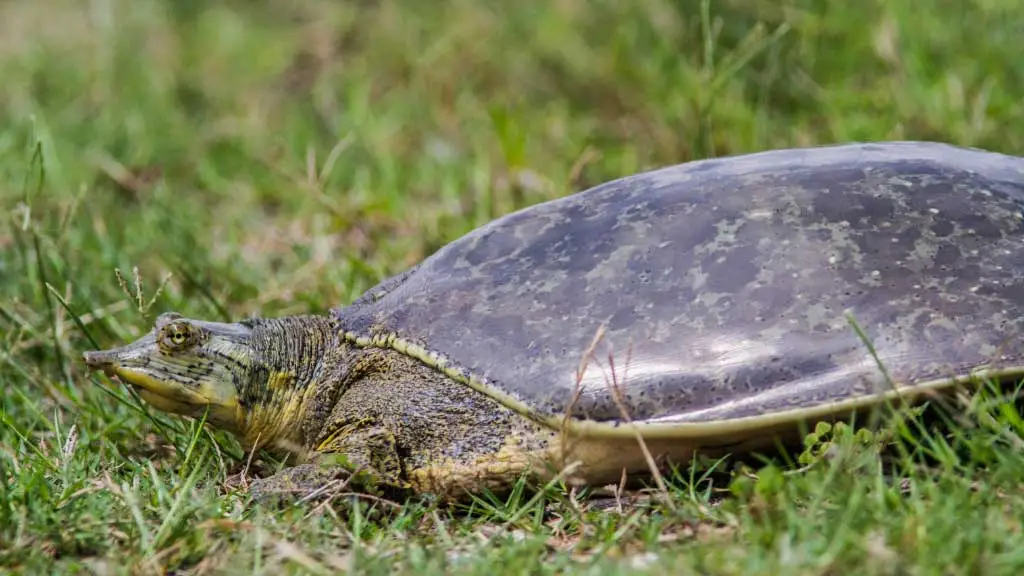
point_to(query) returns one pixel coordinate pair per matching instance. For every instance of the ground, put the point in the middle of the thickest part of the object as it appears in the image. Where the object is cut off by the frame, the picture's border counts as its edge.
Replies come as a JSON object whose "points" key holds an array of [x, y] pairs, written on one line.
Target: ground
{"points": [[278, 157]]}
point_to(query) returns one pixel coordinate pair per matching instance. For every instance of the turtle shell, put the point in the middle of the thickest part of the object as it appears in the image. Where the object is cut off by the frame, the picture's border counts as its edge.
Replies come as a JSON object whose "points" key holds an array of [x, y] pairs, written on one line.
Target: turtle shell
{"points": [[766, 286]]}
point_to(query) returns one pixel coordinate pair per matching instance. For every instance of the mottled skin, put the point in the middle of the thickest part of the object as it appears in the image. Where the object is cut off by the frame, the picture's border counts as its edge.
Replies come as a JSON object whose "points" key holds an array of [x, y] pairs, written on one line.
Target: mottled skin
{"points": [[723, 290], [293, 385]]}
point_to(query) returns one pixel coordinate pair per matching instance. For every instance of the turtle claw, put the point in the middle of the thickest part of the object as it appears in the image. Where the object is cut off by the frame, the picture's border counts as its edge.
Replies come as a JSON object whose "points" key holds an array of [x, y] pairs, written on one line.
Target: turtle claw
{"points": [[323, 479], [303, 482]]}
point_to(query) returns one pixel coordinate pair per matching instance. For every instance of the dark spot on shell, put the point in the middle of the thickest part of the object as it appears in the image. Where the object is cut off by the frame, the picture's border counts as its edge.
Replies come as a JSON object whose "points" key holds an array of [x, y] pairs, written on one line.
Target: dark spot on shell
{"points": [[878, 207], [925, 192], [1013, 292], [942, 228], [907, 237], [947, 255], [982, 226], [922, 321], [738, 268], [771, 298], [969, 271], [490, 246], [569, 289], [823, 234], [874, 243], [622, 319]]}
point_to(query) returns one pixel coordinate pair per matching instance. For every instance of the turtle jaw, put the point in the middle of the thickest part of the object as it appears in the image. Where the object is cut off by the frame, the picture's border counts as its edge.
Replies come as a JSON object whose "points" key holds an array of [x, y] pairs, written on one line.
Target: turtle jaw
{"points": [[168, 389]]}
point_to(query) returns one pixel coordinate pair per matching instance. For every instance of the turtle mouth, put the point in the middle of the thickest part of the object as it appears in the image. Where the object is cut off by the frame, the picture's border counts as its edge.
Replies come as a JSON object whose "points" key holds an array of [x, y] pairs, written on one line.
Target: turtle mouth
{"points": [[141, 378], [156, 391], [169, 395], [100, 360]]}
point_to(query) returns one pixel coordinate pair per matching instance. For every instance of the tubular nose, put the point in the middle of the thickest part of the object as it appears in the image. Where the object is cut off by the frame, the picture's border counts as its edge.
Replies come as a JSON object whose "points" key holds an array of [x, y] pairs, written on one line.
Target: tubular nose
{"points": [[96, 358]]}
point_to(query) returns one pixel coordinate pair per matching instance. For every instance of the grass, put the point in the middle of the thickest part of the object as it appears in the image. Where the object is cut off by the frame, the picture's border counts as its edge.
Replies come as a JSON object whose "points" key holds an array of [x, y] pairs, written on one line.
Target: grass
{"points": [[275, 157]]}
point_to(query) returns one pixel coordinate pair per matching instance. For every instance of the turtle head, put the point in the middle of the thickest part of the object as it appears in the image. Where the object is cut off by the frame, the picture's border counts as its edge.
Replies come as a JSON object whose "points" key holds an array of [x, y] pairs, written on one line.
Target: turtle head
{"points": [[256, 378], [187, 367]]}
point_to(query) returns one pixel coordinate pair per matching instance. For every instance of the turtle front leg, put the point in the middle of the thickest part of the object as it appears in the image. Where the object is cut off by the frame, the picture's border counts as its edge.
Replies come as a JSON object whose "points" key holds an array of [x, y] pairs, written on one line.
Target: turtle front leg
{"points": [[402, 426], [368, 450], [359, 456]]}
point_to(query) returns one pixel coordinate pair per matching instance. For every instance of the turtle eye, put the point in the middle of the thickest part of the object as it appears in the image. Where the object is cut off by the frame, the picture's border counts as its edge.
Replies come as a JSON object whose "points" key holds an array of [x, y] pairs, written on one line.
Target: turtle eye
{"points": [[177, 335]]}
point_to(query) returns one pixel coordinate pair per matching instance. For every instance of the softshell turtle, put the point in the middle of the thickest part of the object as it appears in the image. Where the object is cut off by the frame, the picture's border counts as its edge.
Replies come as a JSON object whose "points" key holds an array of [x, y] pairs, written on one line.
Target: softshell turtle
{"points": [[709, 305]]}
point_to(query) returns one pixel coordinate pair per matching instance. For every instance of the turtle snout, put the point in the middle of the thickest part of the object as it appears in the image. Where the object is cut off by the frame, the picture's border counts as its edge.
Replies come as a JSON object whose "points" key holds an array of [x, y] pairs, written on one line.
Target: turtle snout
{"points": [[99, 360]]}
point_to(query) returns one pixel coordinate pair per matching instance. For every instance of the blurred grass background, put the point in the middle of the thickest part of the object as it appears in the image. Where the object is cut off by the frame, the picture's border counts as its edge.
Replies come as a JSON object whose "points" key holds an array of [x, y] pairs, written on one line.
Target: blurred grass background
{"points": [[278, 157]]}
